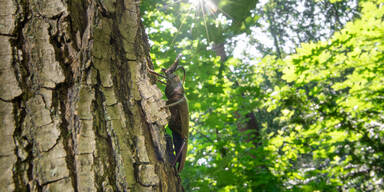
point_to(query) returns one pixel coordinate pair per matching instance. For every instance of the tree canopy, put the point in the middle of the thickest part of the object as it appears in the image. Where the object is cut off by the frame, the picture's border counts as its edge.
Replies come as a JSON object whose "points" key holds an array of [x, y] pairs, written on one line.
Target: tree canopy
{"points": [[284, 95]]}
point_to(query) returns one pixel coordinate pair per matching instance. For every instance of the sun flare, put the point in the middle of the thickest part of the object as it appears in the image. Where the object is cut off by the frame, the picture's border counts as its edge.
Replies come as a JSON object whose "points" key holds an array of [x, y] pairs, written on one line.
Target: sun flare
{"points": [[205, 6]]}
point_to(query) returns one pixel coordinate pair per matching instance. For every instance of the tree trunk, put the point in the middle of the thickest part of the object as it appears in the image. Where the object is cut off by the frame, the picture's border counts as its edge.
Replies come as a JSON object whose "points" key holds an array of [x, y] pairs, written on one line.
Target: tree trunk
{"points": [[78, 110]]}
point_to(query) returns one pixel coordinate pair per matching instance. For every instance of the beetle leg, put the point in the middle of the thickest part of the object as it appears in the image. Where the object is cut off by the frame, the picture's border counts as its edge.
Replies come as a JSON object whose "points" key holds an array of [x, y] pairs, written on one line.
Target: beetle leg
{"points": [[158, 74], [152, 71], [175, 103], [155, 73], [178, 154], [161, 81]]}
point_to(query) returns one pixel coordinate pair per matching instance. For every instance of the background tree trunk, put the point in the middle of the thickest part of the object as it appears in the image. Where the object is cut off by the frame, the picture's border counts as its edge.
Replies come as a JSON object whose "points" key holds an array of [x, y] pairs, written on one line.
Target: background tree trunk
{"points": [[78, 110]]}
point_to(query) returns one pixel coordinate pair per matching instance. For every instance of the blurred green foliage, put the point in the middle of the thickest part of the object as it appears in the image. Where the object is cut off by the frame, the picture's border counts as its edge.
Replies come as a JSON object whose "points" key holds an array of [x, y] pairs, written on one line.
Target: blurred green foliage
{"points": [[304, 119]]}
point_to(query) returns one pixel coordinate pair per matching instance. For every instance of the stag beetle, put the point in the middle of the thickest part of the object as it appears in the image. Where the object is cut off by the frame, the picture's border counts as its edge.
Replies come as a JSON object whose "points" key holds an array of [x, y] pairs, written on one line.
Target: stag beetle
{"points": [[178, 106]]}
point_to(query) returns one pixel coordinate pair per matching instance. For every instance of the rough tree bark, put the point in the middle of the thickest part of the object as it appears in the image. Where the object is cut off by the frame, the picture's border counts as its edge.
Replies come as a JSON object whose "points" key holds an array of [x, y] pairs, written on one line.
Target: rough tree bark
{"points": [[78, 110]]}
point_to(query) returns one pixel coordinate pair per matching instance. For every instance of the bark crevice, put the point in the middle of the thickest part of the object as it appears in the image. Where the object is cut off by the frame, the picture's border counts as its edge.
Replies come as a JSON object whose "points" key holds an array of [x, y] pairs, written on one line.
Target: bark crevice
{"points": [[66, 133], [23, 148], [106, 157]]}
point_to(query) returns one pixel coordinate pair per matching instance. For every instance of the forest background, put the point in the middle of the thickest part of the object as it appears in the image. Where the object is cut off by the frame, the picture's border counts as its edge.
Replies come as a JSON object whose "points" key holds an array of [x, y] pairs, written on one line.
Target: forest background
{"points": [[283, 95]]}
